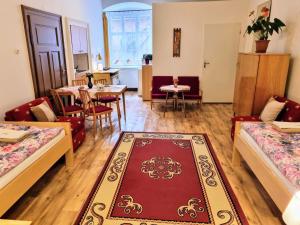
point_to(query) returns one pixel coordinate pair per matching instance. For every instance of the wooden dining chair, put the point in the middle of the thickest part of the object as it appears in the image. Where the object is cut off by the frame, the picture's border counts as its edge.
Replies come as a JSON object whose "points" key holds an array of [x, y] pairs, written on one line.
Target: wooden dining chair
{"points": [[65, 109], [79, 82], [100, 81], [107, 99], [96, 111]]}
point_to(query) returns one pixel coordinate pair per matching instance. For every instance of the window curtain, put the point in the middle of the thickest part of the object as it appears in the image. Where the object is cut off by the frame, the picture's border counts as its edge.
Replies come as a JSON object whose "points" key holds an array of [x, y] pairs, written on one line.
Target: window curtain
{"points": [[129, 37], [106, 42]]}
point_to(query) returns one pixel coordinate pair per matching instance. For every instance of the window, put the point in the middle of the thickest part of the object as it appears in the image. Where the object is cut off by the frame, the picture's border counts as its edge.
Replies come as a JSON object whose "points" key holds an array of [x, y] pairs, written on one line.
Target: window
{"points": [[130, 37]]}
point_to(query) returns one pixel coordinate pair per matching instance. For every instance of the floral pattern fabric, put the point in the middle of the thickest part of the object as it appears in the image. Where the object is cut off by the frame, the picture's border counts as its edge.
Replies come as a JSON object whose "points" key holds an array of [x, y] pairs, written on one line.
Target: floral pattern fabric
{"points": [[12, 154], [283, 149]]}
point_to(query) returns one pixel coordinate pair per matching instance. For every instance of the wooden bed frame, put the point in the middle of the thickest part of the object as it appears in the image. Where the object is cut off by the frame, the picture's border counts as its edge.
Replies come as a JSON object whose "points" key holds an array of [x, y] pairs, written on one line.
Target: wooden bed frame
{"points": [[19, 185], [277, 190]]}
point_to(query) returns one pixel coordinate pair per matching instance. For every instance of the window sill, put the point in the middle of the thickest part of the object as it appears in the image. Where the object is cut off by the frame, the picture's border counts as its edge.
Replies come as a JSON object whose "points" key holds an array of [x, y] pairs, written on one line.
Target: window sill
{"points": [[126, 67]]}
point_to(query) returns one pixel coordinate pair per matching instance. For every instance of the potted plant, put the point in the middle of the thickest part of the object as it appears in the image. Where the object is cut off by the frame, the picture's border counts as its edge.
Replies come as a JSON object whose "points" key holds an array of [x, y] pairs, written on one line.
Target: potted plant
{"points": [[263, 27]]}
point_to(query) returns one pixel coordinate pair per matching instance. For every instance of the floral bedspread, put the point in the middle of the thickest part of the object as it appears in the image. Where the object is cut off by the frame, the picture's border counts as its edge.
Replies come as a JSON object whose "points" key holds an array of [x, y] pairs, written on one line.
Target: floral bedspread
{"points": [[12, 154], [282, 149]]}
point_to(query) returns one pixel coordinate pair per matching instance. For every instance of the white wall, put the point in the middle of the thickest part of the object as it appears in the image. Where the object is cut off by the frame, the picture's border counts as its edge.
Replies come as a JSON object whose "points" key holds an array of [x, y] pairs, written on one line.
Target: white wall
{"points": [[15, 75], [288, 41], [190, 17]]}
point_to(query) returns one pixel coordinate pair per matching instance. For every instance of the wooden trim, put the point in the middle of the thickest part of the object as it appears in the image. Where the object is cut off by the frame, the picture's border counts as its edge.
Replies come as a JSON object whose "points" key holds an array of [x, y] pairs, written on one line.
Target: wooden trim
{"points": [[106, 42], [19, 185], [267, 177], [14, 222], [25, 10]]}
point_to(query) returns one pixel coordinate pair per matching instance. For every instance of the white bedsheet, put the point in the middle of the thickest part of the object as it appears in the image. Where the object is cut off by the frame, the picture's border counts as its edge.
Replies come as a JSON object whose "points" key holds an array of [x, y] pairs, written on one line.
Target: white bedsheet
{"points": [[4, 180], [267, 161]]}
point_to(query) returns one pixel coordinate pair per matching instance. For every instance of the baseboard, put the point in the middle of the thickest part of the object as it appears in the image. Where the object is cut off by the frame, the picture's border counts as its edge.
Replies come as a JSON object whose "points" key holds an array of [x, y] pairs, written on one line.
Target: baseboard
{"points": [[229, 103]]}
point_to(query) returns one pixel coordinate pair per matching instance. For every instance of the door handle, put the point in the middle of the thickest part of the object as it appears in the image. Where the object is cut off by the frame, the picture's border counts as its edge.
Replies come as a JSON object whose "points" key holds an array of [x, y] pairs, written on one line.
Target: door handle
{"points": [[205, 64]]}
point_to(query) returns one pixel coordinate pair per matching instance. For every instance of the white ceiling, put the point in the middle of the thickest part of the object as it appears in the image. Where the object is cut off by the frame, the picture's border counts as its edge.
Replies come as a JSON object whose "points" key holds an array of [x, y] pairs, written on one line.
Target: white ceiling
{"points": [[107, 3]]}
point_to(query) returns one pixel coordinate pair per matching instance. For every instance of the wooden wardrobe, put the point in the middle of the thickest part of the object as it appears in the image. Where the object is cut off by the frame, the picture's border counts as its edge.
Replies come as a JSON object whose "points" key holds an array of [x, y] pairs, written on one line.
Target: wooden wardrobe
{"points": [[258, 77]]}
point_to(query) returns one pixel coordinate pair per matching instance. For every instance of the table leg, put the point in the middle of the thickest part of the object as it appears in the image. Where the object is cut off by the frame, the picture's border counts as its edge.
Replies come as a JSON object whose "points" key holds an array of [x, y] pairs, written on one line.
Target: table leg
{"points": [[119, 112], [175, 97], [183, 107], [124, 105], [166, 103]]}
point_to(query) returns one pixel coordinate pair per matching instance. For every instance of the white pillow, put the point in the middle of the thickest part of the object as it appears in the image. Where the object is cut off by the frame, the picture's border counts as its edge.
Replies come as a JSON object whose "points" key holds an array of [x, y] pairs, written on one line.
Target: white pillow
{"points": [[43, 112], [271, 110]]}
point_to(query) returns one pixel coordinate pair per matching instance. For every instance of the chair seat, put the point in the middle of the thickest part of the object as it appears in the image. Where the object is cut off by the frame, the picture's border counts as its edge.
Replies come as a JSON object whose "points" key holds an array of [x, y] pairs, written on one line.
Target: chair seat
{"points": [[100, 109], [77, 123], [108, 99], [192, 97], [72, 108], [160, 95]]}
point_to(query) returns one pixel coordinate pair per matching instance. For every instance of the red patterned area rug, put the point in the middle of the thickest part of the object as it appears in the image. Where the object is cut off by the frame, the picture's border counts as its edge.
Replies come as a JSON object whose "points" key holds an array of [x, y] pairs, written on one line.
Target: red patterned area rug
{"points": [[162, 179]]}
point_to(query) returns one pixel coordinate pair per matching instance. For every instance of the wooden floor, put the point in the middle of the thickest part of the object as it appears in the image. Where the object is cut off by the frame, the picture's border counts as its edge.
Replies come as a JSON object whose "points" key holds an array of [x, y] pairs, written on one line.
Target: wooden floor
{"points": [[58, 196]]}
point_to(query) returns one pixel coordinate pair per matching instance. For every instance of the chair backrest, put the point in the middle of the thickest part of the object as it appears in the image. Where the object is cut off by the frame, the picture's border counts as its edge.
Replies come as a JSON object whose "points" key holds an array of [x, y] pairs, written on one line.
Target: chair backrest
{"points": [[23, 112], [87, 102], [100, 81], [158, 81], [192, 81], [58, 101], [79, 82]]}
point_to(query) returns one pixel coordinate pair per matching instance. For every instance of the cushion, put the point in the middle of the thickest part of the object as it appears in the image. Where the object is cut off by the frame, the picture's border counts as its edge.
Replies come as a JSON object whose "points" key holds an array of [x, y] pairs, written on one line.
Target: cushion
{"points": [[158, 96], [100, 109], [192, 97], [77, 123], [291, 112], [72, 108], [108, 99], [43, 112], [23, 112], [271, 110]]}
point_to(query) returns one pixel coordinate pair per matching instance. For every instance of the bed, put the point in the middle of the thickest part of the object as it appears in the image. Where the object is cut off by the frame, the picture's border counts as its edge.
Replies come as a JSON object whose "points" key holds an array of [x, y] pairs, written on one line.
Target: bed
{"points": [[16, 179], [272, 156]]}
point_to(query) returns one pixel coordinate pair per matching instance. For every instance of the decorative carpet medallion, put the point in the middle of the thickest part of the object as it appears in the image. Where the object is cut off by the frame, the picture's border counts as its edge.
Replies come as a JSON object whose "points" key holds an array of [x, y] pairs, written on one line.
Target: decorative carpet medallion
{"points": [[161, 167], [162, 179]]}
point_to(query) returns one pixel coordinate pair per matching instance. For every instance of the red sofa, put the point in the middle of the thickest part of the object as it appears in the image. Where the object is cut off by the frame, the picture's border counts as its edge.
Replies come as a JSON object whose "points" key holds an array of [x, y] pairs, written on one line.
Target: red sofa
{"points": [[290, 113], [23, 113]]}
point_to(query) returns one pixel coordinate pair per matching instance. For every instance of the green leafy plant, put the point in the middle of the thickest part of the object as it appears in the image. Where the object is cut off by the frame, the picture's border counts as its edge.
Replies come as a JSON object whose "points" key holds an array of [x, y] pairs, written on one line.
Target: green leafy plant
{"points": [[263, 27]]}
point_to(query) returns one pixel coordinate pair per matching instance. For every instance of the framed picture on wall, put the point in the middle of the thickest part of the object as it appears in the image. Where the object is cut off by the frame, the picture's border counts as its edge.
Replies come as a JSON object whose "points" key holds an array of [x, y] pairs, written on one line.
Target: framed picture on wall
{"points": [[176, 42]]}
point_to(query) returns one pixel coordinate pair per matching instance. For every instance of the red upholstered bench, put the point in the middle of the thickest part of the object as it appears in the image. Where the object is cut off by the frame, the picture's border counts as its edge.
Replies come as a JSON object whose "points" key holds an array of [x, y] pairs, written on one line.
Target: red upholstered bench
{"points": [[290, 113], [23, 113]]}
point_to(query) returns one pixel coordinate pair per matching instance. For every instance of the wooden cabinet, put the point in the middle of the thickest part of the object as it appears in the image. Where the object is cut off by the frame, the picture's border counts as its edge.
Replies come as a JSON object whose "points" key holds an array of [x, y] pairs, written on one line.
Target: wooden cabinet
{"points": [[258, 77], [79, 39], [146, 82]]}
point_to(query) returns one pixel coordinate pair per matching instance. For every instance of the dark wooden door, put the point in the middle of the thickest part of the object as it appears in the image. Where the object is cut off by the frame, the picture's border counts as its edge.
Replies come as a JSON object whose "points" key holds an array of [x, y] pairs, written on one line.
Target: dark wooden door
{"points": [[46, 50]]}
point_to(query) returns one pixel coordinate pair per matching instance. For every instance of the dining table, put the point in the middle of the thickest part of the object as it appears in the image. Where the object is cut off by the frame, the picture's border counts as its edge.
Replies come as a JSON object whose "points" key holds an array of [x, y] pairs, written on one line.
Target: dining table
{"points": [[114, 90], [177, 92]]}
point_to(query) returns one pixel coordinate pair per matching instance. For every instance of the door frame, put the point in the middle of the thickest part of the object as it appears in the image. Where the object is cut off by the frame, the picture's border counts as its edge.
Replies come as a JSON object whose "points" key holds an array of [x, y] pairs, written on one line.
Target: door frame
{"points": [[69, 22], [25, 11]]}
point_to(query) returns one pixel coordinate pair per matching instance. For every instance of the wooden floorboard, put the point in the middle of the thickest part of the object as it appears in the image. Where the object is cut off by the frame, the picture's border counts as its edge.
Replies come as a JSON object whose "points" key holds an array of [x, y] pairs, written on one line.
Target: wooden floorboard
{"points": [[58, 196]]}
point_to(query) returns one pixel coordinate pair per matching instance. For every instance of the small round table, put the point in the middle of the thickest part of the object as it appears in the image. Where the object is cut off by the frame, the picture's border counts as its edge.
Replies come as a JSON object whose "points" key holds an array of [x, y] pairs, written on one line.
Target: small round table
{"points": [[175, 90]]}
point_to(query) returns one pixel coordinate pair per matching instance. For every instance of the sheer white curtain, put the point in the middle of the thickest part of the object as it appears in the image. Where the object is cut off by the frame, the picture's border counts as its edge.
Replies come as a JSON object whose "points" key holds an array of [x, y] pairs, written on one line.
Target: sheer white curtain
{"points": [[130, 36]]}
